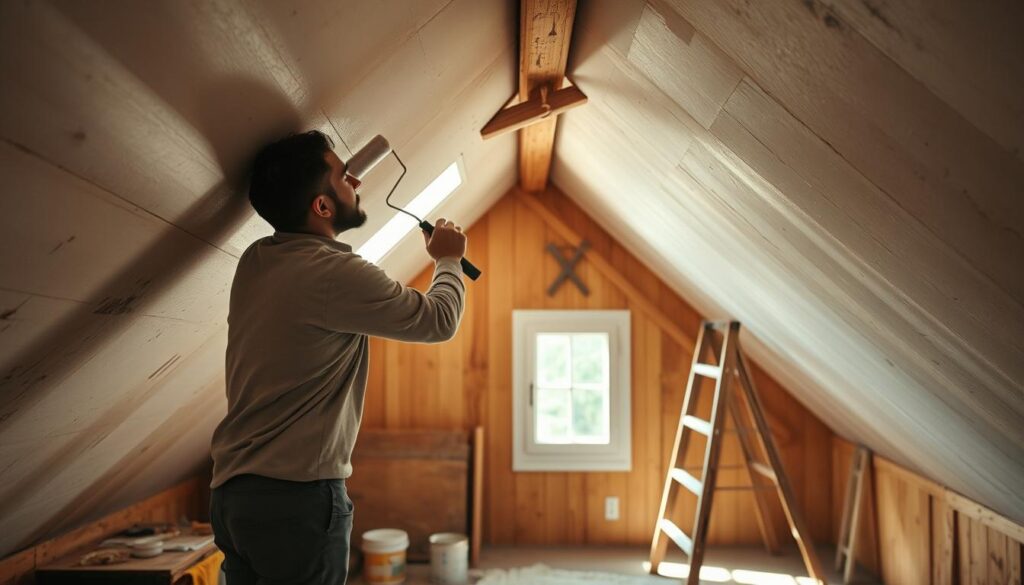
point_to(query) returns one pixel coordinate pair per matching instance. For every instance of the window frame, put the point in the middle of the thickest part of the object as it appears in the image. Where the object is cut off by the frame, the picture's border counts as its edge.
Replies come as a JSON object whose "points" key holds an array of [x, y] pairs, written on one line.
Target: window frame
{"points": [[527, 455]]}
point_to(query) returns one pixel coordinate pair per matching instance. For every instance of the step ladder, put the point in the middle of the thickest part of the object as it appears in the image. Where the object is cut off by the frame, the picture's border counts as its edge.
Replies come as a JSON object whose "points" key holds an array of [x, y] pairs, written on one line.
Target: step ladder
{"points": [[719, 340], [856, 491]]}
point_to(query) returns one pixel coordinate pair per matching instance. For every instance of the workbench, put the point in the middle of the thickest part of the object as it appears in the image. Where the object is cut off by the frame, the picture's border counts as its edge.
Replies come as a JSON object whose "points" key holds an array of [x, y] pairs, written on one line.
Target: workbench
{"points": [[164, 569]]}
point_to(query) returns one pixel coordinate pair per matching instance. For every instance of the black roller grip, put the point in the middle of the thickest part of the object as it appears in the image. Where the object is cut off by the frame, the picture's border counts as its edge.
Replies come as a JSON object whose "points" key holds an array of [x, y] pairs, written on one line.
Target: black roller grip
{"points": [[467, 267]]}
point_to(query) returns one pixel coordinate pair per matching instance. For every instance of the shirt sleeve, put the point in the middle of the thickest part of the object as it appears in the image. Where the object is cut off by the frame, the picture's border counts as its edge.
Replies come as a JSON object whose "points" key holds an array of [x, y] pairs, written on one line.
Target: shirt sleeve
{"points": [[362, 298]]}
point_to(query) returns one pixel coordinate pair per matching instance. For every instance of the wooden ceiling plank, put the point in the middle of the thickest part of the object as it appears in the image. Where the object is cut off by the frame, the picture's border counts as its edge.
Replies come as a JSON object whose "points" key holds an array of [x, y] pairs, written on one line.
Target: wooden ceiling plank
{"points": [[545, 36]]}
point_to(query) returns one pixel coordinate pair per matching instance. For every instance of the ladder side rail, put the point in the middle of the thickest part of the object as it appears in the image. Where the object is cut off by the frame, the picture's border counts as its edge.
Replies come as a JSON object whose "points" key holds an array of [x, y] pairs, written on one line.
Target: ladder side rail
{"points": [[760, 484], [844, 524], [659, 542], [786, 494], [862, 461], [711, 455]]}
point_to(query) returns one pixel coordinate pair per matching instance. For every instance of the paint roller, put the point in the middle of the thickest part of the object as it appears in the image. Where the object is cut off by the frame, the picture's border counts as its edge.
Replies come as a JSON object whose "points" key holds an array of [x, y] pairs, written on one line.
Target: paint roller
{"points": [[369, 156]]}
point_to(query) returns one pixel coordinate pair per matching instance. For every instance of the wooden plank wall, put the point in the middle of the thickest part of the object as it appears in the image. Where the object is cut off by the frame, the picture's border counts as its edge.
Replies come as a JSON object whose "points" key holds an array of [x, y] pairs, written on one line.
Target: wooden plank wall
{"points": [[467, 382], [189, 499], [925, 532]]}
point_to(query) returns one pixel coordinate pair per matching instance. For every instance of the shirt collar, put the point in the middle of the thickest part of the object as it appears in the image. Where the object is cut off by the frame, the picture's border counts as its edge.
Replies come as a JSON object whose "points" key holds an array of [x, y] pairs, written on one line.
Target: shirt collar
{"points": [[292, 236]]}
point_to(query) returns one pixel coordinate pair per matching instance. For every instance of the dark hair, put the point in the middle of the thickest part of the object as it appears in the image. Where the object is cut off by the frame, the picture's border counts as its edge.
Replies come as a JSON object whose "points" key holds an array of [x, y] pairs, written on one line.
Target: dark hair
{"points": [[286, 176]]}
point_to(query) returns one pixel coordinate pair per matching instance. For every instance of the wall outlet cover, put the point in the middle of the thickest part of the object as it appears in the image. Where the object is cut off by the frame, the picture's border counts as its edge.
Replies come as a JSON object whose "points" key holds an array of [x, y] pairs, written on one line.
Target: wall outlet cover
{"points": [[611, 508]]}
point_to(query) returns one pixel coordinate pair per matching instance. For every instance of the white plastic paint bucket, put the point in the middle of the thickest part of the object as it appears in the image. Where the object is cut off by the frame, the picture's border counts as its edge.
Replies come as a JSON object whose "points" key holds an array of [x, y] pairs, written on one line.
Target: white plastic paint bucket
{"points": [[449, 558], [384, 556]]}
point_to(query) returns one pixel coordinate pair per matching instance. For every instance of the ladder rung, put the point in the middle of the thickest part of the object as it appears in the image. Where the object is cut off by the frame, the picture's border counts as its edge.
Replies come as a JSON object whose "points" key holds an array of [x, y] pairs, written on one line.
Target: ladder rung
{"points": [[698, 424], [707, 370], [689, 482], [676, 534], [764, 470]]}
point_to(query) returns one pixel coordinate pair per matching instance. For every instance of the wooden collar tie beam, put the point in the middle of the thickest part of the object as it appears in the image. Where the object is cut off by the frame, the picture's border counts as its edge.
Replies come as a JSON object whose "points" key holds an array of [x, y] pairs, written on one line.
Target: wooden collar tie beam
{"points": [[546, 105]]}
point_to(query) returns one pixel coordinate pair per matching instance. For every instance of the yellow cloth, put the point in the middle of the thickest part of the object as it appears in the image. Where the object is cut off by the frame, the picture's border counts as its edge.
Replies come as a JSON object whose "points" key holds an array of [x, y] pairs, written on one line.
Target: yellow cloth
{"points": [[206, 571]]}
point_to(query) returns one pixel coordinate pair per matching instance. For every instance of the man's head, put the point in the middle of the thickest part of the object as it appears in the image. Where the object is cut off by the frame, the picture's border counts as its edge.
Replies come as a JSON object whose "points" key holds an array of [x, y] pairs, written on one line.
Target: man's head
{"points": [[298, 184]]}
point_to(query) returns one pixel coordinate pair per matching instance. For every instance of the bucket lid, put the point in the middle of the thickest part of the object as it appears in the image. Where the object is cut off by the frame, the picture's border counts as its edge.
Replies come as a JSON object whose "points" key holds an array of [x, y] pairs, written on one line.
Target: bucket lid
{"points": [[385, 540], [448, 538]]}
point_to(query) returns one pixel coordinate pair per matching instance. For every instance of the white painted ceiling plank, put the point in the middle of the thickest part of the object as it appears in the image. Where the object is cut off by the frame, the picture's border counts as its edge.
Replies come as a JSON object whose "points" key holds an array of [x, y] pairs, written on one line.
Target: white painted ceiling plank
{"points": [[967, 53], [695, 73], [65, 238], [46, 472], [589, 161], [919, 151]]}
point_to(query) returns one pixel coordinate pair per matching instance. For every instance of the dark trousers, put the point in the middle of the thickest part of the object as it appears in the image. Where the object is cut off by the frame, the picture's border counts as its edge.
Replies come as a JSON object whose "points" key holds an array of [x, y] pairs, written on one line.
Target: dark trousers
{"points": [[273, 531]]}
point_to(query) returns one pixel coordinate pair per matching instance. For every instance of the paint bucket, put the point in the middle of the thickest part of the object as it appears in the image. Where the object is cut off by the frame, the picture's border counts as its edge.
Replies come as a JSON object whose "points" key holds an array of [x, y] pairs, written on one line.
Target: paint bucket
{"points": [[384, 556], [449, 558]]}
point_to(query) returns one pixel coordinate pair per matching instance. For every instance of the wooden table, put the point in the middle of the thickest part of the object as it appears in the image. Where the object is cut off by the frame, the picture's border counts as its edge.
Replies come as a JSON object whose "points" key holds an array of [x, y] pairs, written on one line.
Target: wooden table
{"points": [[163, 569]]}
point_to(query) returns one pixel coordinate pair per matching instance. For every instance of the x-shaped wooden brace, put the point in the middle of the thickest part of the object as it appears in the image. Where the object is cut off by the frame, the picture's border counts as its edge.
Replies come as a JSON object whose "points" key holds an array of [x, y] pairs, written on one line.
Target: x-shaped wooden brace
{"points": [[567, 268]]}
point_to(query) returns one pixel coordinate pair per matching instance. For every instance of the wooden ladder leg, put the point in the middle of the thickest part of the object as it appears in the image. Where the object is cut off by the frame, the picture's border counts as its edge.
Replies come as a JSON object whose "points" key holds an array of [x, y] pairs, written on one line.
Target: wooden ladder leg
{"points": [[659, 542], [844, 526], [862, 460], [785, 491], [712, 452], [760, 484]]}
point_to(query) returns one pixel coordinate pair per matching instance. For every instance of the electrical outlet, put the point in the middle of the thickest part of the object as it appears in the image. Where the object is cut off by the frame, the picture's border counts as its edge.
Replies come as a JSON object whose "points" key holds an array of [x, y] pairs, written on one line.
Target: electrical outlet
{"points": [[611, 508]]}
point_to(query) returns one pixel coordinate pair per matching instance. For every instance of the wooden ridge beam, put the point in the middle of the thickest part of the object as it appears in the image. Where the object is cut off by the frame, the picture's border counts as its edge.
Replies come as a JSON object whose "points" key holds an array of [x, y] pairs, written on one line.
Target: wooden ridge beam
{"points": [[545, 33]]}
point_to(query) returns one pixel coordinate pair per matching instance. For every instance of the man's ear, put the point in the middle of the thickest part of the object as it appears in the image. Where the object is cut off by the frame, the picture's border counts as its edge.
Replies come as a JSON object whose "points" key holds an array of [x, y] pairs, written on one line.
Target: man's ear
{"points": [[320, 206]]}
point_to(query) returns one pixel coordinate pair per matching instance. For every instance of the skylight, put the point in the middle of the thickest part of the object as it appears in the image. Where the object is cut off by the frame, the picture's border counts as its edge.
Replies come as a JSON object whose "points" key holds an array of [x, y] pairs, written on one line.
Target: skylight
{"points": [[401, 224]]}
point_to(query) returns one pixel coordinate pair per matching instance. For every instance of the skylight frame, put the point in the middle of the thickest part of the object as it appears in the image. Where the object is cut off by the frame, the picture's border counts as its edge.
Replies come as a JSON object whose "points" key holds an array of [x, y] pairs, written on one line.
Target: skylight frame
{"points": [[395, 229]]}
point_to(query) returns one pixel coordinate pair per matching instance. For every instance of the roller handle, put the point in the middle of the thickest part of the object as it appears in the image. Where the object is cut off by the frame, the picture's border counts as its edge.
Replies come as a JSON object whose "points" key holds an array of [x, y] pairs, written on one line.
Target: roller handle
{"points": [[467, 267]]}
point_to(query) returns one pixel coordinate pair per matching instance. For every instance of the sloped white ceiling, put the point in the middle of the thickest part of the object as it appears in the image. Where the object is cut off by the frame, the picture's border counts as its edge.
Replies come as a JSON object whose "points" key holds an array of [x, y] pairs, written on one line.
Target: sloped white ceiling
{"points": [[126, 128], [846, 179]]}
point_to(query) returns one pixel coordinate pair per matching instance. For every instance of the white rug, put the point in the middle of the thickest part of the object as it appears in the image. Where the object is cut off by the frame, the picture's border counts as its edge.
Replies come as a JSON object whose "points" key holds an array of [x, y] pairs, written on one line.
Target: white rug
{"points": [[544, 575]]}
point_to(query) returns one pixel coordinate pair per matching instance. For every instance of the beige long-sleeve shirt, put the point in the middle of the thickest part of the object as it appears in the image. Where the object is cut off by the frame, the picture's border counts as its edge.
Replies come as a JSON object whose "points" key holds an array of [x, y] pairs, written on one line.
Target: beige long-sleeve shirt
{"points": [[301, 309]]}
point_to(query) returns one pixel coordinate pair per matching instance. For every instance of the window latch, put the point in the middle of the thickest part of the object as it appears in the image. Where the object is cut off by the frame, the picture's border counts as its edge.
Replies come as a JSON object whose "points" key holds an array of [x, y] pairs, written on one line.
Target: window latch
{"points": [[531, 394]]}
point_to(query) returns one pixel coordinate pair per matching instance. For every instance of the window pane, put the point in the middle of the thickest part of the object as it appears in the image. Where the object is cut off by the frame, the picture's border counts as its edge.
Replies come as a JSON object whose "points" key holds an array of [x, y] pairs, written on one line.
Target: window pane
{"points": [[590, 358], [590, 416], [552, 360], [553, 416]]}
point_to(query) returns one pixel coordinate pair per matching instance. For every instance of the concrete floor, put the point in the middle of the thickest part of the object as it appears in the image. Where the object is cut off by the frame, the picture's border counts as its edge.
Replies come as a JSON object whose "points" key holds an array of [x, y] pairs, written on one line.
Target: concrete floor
{"points": [[724, 565]]}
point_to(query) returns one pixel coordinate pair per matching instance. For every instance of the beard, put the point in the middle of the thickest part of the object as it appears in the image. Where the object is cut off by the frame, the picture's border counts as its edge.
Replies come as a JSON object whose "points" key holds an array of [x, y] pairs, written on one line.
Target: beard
{"points": [[347, 217]]}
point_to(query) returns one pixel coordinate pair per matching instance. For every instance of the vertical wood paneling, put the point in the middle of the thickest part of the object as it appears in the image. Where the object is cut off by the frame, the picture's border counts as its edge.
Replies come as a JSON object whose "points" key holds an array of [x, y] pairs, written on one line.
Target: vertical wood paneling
{"points": [[903, 531], [499, 489], [468, 381], [927, 537]]}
